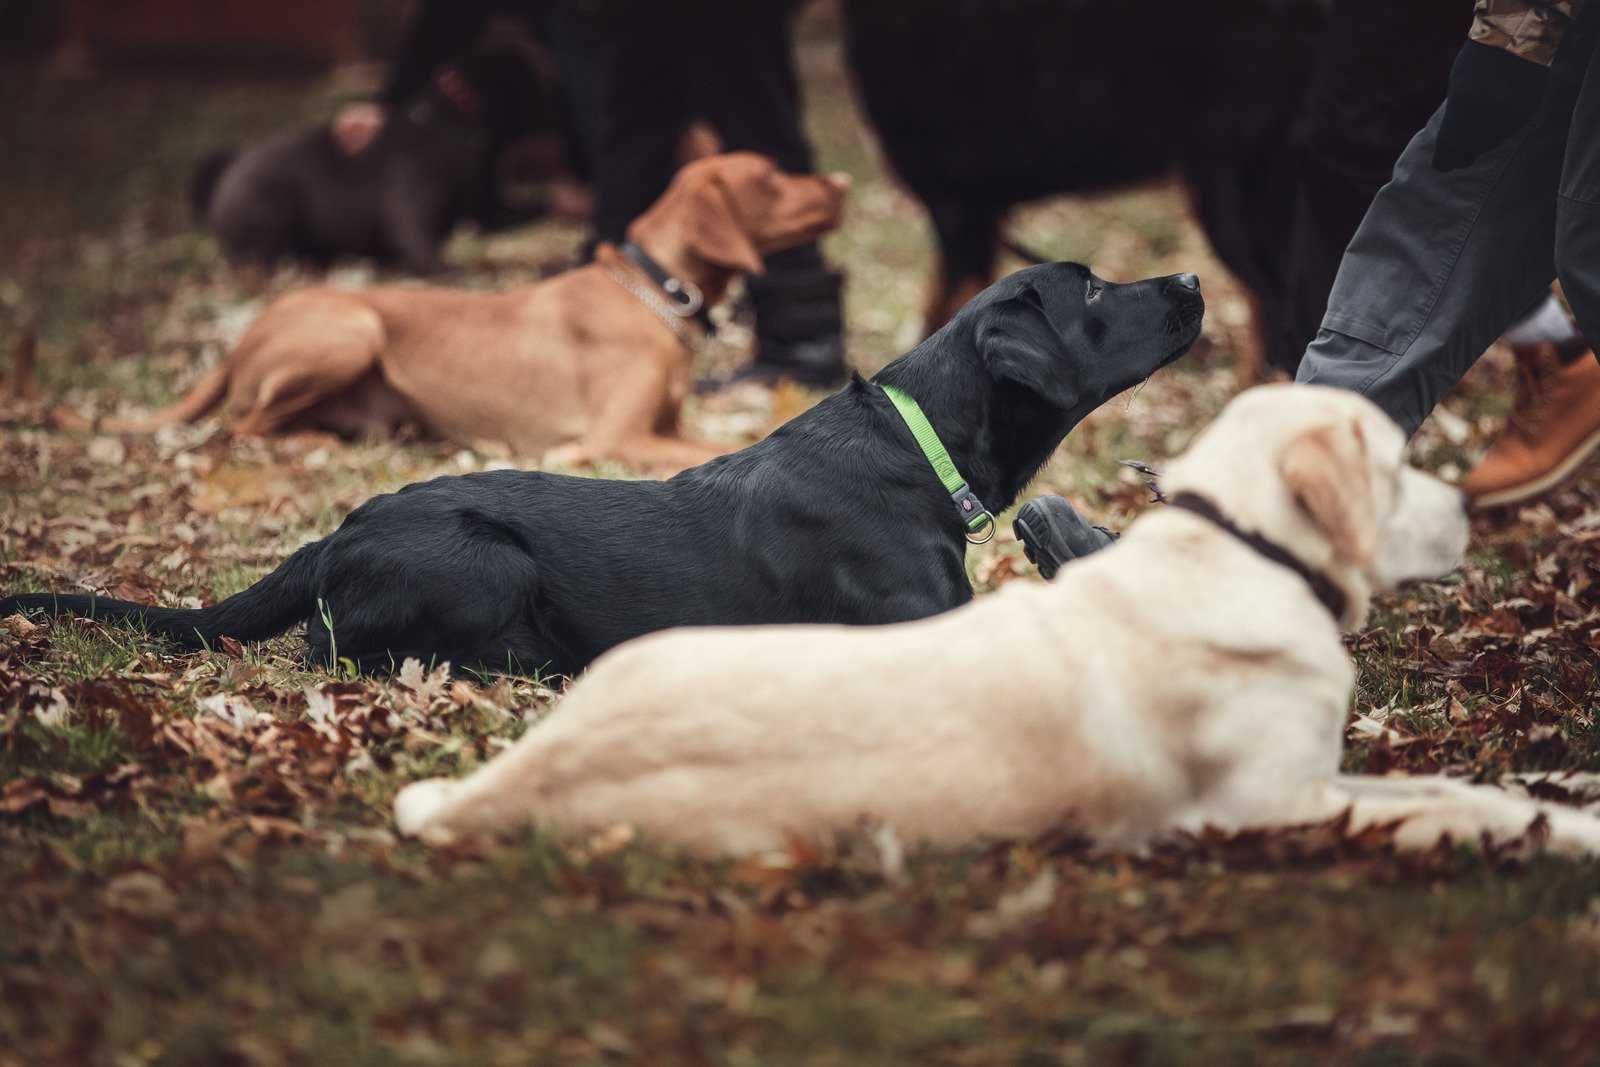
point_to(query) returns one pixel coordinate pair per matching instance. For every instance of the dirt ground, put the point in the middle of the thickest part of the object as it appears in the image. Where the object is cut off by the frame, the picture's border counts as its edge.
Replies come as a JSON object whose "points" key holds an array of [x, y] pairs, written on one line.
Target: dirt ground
{"points": [[197, 864]]}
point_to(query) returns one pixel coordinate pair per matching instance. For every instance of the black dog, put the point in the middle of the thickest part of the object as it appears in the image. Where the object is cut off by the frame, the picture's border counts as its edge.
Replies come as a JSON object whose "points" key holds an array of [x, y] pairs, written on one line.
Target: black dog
{"points": [[1282, 115], [836, 517], [431, 167]]}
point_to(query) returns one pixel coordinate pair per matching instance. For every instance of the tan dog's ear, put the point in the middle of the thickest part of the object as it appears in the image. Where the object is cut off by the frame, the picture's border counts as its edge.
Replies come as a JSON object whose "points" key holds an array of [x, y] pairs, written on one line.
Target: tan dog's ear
{"points": [[1326, 471], [715, 231]]}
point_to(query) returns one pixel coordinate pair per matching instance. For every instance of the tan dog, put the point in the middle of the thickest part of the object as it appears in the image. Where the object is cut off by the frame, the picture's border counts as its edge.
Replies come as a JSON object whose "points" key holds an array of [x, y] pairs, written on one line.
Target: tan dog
{"points": [[1177, 679], [578, 362]]}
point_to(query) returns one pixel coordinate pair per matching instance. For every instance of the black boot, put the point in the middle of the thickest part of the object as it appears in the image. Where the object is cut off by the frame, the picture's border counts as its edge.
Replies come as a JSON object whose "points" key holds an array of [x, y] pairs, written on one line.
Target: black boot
{"points": [[799, 327], [1054, 534]]}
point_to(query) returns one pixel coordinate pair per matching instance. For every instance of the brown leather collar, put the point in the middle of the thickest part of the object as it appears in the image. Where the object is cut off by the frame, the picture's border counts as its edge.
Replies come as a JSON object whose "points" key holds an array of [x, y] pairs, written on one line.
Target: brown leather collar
{"points": [[1331, 596]]}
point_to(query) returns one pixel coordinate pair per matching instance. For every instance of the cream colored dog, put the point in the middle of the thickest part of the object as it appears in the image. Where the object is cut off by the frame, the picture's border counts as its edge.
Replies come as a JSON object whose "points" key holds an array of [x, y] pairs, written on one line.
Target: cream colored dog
{"points": [[1178, 679]]}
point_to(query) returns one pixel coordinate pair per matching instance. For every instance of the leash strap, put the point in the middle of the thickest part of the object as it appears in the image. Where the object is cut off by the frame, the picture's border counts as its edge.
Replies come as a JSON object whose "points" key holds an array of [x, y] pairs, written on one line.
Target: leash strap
{"points": [[683, 297], [973, 514], [1332, 596]]}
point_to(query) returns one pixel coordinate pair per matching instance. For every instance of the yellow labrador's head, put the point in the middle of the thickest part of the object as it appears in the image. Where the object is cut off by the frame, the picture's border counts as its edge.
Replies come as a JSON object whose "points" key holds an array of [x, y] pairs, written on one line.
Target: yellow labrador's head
{"points": [[730, 210], [1320, 472]]}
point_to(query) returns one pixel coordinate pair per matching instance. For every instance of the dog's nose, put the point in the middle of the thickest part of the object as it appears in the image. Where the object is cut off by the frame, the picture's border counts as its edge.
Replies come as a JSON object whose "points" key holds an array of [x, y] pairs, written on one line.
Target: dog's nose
{"points": [[1188, 281]]}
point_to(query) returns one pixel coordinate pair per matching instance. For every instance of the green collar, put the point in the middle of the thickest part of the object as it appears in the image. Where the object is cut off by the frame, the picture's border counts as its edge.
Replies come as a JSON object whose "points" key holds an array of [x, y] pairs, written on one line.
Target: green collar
{"points": [[968, 506]]}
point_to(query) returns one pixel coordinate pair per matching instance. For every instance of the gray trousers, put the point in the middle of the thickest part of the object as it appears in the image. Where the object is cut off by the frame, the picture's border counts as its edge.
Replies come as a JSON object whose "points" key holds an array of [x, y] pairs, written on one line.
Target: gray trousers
{"points": [[1445, 261]]}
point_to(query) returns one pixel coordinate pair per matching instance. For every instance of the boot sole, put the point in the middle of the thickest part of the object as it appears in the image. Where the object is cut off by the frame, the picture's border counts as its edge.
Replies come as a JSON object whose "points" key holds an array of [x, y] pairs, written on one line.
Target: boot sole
{"points": [[1027, 536], [1518, 494]]}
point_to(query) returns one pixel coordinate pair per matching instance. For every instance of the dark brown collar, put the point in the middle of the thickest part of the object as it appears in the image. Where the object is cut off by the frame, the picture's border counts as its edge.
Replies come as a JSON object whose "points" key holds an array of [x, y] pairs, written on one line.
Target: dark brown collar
{"points": [[1331, 595]]}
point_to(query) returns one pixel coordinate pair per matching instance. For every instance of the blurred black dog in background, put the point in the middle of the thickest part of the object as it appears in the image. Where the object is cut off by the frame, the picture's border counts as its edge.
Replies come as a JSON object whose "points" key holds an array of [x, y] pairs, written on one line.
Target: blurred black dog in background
{"points": [[1284, 116], [432, 166]]}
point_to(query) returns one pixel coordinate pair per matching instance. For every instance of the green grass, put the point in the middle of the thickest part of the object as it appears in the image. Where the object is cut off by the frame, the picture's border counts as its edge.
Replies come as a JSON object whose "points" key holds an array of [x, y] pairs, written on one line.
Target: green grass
{"points": [[66, 748]]}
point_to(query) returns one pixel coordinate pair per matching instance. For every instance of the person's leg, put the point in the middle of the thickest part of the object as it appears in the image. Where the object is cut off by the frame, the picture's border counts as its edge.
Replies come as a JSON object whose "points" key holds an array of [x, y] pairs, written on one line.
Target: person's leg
{"points": [[1442, 263], [1381, 69], [1555, 425], [1578, 206], [631, 91], [564, 32], [747, 88], [745, 83], [1447, 259]]}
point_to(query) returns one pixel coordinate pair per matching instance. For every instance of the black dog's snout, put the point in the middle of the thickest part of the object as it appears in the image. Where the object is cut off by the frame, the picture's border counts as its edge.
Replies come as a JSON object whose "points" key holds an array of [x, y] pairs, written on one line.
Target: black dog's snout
{"points": [[1184, 303]]}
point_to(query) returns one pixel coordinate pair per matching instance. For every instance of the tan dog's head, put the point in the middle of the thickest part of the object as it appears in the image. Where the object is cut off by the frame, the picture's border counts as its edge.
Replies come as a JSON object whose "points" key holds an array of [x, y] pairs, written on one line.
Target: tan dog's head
{"points": [[728, 211], [1320, 472]]}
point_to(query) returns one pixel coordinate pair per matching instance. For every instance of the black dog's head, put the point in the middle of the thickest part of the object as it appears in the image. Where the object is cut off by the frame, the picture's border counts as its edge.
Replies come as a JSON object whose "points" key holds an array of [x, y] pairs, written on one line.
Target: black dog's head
{"points": [[1034, 353], [1073, 340]]}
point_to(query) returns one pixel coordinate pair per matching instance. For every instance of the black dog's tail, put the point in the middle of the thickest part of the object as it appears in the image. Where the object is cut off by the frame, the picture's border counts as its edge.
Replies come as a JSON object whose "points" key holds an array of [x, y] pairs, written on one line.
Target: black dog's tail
{"points": [[203, 183], [267, 608]]}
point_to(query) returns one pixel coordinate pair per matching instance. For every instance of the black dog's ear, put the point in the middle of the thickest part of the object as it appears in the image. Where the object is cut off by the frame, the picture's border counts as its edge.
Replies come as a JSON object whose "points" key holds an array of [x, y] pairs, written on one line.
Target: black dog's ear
{"points": [[1018, 345]]}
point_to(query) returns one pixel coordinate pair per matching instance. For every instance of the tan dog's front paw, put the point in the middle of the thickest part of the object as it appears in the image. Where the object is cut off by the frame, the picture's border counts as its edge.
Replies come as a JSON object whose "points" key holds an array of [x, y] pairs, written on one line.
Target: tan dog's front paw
{"points": [[417, 805]]}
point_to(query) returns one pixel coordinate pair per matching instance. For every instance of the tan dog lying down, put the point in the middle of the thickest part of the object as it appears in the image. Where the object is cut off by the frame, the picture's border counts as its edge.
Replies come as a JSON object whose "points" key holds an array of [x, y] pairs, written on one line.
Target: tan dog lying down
{"points": [[576, 362], [1176, 679]]}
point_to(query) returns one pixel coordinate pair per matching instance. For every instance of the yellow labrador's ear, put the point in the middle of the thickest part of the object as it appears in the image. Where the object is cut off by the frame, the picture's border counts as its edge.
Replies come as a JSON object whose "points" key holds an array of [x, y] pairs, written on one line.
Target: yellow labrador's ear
{"points": [[716, 233], [1326, 471]]}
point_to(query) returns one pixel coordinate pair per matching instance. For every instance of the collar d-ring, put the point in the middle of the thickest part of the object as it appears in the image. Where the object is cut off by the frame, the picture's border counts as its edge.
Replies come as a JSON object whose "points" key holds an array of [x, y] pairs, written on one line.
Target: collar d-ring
{"points": [[687, 299], [986, 525]]}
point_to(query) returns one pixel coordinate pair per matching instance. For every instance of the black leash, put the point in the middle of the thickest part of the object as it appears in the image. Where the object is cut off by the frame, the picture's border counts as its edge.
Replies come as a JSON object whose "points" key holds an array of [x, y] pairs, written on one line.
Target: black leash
{"points": [[683, 296], [1332, 596]]}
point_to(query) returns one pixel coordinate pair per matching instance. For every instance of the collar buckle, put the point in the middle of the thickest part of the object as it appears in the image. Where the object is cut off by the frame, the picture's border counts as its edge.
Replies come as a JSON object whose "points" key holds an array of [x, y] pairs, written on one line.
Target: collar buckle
{"points": [[978, 518]]}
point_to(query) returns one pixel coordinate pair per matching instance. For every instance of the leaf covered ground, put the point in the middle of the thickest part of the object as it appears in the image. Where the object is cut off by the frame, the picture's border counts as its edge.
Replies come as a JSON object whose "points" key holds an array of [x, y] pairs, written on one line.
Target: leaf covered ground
{"points": [[197, 863]]}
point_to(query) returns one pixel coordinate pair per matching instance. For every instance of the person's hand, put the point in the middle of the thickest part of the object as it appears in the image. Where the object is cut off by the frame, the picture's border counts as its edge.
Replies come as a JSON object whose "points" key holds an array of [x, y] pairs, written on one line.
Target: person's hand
{"points": [[1492, 95], [356, 126]]}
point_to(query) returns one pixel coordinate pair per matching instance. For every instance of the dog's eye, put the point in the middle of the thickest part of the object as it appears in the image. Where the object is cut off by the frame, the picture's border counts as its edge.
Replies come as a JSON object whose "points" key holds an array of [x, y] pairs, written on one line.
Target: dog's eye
{"points": [[1091, 291]]}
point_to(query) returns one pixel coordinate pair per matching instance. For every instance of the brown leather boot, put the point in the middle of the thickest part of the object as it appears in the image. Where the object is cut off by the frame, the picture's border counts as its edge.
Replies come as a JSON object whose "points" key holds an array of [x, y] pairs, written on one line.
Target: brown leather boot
{"points": [[1553, 428]]}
